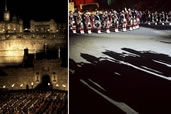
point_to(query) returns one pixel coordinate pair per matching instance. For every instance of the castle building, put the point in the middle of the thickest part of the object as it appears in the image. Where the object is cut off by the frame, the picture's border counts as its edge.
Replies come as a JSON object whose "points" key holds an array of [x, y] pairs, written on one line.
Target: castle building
{"points": [[43, 27], [47, 27], [10, 26], [45, 42]]}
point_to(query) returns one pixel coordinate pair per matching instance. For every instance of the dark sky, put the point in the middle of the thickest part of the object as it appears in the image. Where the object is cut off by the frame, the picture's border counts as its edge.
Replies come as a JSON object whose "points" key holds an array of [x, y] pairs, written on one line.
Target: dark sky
{"points": [[40, 10]]}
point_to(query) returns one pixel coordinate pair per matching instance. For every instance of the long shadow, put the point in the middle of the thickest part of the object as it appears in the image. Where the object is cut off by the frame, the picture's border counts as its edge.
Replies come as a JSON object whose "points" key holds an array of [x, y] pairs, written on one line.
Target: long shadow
{"points": [[130, 77]]}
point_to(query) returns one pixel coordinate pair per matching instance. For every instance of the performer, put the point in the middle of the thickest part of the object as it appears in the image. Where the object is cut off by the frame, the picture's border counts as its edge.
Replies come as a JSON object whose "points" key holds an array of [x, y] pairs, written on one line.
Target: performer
{"points": [[162, 17], [123, 21], [152, 17], [129, 19], [169, 17], [156, 18], [79, 22], [137, 16], [97, 22], [110, 17], [115, 21], [72, 23], [106, 23], [166, 17], [149, 18], [88, 22]]}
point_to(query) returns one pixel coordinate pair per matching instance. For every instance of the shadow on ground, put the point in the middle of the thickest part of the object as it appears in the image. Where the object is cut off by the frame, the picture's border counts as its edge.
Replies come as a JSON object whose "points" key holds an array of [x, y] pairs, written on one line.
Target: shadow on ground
{"points": [[140, 79]]}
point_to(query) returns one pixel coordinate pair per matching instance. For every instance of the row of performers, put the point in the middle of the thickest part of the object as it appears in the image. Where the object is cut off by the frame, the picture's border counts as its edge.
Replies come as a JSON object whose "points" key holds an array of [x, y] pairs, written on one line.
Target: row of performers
{"points": [[156, 17], [107, 20]]}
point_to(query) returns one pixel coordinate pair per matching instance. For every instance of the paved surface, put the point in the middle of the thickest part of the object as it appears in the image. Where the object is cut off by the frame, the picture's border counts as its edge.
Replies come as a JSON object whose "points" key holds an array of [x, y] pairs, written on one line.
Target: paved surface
{"points": [[126, 72], [141, 39]]}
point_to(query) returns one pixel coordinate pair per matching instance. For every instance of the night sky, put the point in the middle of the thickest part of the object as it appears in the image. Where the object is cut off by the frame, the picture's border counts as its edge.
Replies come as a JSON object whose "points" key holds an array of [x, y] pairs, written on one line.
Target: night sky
{"points": [[39, 10]]}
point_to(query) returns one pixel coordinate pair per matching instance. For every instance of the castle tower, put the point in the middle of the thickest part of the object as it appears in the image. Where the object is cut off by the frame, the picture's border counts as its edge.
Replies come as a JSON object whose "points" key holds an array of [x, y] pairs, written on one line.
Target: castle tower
{"points": [[6, 13], [21, 25]]}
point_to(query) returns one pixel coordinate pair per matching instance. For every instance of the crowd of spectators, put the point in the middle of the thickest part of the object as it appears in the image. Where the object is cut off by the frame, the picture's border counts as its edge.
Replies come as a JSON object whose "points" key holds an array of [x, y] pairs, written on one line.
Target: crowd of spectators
{"points": [[34, 102]]}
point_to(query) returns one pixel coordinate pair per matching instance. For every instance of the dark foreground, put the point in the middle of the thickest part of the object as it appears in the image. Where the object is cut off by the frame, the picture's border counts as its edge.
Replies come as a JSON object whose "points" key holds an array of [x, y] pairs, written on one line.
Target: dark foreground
{"points": [[121, 73]]}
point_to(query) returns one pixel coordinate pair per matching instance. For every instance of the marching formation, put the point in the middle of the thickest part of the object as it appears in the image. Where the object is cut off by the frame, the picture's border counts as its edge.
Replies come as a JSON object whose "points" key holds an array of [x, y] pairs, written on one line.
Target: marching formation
{"points": [[107, 21], [163, 18]]}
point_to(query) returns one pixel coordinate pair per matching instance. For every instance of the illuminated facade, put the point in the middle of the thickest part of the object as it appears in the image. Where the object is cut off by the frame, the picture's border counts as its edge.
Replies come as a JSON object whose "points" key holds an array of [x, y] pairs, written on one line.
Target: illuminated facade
{"points": [[10, 26], [47, 27], [43, 27]]}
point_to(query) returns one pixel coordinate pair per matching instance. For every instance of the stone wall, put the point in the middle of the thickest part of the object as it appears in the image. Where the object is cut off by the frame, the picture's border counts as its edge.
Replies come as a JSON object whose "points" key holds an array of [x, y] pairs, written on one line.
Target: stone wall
{"points": [[12, 48], [20, 77]]}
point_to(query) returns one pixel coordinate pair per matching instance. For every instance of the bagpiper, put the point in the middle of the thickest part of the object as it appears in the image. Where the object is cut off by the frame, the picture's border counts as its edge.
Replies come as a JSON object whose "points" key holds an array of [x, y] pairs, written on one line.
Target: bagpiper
{"points": [[72, 23], [97, 22], [87, 21], [137, 16], [106, 22], [162, 17], [169, 17], [79, 22], [156, 18], [123, 21], [149, 18], [115, 21], [129, 19], [166, 17]]}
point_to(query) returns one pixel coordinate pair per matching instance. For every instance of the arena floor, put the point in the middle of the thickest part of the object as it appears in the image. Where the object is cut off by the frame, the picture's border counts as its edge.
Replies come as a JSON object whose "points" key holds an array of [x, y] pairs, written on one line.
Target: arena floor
{"points": [[126, 72]]}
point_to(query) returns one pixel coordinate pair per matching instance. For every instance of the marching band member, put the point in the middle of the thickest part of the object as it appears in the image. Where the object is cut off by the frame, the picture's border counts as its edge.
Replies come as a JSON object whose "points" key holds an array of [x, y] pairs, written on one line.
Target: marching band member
{"points": [[106, 23], [162, 17], [115, 21], [87, 22], [79, 22], [72, 23], [129, 19], [149, 18], [169, 17], [123, 21], [156, 18], [97, 22], [137, 19]]}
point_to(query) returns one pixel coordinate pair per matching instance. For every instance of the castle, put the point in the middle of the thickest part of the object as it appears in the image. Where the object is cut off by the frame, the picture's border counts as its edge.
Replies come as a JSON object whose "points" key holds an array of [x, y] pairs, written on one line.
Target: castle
{"points": [[36, 51]]}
